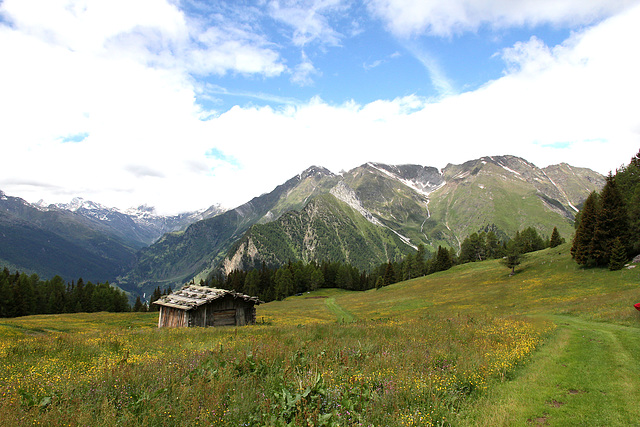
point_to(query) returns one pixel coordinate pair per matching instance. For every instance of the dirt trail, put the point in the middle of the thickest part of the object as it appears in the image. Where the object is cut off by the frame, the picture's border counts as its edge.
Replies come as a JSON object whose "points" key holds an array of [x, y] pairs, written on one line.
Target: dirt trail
{"points": [[342, 314], [588, 373]]}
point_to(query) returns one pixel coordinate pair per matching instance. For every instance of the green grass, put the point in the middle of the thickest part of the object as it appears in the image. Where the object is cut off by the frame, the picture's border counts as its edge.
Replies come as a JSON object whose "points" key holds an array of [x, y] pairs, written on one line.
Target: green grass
{"points": [[552, 345], [586, 375]]}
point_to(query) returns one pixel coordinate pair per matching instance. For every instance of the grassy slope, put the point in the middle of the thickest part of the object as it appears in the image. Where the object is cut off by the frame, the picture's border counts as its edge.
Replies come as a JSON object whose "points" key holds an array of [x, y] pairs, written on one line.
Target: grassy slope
{"points": [[547, 282], [490, 197], [588, 373], [468, 322]]}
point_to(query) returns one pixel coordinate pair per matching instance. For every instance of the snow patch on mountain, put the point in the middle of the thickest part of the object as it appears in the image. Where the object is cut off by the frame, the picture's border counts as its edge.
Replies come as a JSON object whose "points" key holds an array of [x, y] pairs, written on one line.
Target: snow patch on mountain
{"points": [[417, 182]]}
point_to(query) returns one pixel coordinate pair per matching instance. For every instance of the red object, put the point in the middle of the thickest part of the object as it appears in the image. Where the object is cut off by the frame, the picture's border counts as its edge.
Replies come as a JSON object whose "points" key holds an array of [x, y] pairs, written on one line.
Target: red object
{"points": [[637, 306]]}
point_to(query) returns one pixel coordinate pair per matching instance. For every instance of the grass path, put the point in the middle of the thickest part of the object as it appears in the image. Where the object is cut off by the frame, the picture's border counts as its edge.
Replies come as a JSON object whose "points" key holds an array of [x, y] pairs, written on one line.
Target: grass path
{"points": [[343, 315], [587, 374]]}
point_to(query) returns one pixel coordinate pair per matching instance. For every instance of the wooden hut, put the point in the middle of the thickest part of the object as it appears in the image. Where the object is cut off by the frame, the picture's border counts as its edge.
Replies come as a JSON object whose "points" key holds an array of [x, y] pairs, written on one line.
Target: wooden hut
{"points": [[201, 306]]}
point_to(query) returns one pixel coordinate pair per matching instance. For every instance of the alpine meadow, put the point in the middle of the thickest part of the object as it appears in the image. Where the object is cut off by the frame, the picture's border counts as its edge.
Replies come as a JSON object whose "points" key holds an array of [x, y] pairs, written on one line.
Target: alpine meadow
{"points": [[319, 213], [452, 337]]}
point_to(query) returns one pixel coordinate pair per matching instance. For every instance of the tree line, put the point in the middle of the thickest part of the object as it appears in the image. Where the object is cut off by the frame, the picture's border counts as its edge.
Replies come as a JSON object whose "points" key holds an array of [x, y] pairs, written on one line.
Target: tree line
{"points": [[23, 295], [141, 306], [608, 225], [278, 282]]}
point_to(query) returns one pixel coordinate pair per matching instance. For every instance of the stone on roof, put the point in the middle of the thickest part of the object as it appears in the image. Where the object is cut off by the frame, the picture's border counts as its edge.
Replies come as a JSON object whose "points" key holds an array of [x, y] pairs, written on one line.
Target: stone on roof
{"points": [[193, 296]]}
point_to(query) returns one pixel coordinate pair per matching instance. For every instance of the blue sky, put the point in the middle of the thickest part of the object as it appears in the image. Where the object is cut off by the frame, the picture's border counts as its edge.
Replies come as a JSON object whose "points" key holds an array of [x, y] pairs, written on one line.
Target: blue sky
{"points": [[183, 104]]}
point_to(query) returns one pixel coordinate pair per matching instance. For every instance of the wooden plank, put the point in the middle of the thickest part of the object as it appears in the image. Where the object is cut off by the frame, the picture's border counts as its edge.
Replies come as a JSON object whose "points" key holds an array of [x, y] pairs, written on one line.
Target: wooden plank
{"points": [[224, 318]]}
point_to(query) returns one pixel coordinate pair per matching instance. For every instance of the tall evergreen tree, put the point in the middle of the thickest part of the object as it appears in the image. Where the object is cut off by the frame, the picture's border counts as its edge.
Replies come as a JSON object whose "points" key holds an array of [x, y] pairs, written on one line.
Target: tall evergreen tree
{"points": [[584, 232], [611, 224], [473, 248], [492, 245], [442, 260], [420, 266], [283, 283], [138, 306], [628, 183], [389, 274]]}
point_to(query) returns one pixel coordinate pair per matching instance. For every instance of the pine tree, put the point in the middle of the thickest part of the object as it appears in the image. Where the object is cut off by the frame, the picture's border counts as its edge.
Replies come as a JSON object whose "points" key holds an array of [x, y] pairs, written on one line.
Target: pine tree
{"points": [[442, 261], [492, 245], [389, 274], [611, 223], [584, 231], [555, 239], [473, 248], [138, 306], [283, 283], [420, 262], [513, 257]]}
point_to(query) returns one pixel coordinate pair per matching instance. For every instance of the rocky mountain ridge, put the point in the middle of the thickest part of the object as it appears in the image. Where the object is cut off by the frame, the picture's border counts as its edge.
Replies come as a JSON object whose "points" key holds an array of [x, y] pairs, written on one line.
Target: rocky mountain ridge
{"points": [[415, 204]]}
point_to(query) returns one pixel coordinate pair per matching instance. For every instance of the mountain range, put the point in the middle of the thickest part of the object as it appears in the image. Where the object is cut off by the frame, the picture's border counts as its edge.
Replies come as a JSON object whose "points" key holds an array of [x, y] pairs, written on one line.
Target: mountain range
{"points": [[371, 214], [81, 238]]}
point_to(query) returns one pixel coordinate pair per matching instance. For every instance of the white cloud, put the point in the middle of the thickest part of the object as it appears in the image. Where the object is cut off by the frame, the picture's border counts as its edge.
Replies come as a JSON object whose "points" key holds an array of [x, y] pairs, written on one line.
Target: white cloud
{"points": [[152, 32], [144, 138], [407, 18], [309, 19], [572, 103], [304, 72], [439, 79]]}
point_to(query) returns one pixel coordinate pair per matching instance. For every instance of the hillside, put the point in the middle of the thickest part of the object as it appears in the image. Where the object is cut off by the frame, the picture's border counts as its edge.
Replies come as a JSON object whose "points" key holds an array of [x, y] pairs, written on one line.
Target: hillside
{"points": [[555, 344], [547, 282], [325, 229], [177, 257], [59, 242]]}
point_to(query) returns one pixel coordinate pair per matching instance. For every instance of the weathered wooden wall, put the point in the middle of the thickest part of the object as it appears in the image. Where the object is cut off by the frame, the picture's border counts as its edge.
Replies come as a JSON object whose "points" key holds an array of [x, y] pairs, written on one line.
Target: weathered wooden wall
{"points": [[226, 311], [172, 318]]}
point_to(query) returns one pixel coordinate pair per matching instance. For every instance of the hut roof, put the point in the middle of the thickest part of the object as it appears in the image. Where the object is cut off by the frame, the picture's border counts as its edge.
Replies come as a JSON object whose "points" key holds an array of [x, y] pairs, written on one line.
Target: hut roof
{"points": [[193, 296]]}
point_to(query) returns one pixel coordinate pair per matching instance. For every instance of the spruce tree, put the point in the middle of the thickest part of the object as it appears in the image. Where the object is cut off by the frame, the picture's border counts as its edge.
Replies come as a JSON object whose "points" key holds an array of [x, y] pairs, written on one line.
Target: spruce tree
{"points": [[492, 245], [138, 306], [513, 257], [611, 223], [585, 229], [389, 274], [555, 239], [442, 260]]}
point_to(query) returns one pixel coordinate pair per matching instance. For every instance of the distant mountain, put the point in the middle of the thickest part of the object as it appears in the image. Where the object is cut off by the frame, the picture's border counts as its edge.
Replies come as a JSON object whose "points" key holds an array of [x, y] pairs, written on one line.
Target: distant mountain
{"points": [[59, 242], [177, 257], [371, 214], [79, 239], [139, 226]]}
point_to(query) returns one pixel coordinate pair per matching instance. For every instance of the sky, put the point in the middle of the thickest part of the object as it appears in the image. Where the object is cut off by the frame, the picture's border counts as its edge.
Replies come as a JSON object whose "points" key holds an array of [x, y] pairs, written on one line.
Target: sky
{"points": [[185, 104]]}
